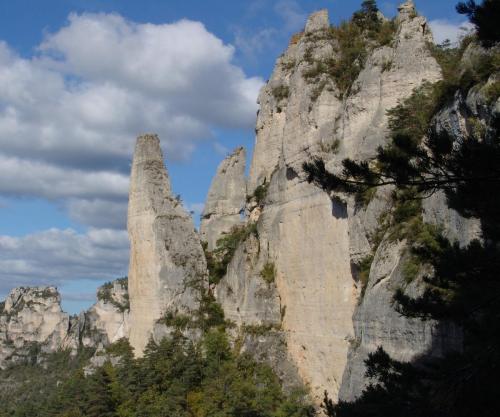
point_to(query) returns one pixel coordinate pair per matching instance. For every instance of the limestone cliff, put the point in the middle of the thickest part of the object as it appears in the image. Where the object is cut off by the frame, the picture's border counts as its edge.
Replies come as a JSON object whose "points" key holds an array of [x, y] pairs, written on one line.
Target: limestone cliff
{"points": [[226, 198], [32, 322], [109, 316], [166, 257], [315, 240], [31, 318]]}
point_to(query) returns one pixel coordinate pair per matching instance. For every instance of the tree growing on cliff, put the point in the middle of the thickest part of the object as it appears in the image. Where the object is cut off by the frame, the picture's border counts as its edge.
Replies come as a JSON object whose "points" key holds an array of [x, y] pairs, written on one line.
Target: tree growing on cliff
{"points": [[484, 17], [464, 288]]}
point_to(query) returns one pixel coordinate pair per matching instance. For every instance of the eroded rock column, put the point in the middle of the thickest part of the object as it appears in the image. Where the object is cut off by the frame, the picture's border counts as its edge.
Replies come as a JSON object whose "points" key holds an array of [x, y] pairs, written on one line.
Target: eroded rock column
{"points": [[167, 264]]}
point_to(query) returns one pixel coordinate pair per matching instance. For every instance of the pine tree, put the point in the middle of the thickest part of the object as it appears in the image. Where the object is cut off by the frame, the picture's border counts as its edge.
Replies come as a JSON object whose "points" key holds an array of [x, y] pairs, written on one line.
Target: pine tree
{"points": [[464, 287], [484, 17]]}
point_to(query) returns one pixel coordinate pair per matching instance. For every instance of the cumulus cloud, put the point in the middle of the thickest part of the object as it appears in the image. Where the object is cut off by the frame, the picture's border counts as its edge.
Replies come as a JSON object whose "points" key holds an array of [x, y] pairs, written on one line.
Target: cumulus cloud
{"points": [[23, 177], [99, 213], [443, 29], [101, 80], [55, 256]]}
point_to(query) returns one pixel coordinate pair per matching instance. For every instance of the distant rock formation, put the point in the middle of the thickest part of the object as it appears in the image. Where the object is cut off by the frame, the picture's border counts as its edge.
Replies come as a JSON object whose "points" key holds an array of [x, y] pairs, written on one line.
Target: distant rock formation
{"points": [[109, 316], [167, 263], [226, 198], [32, 322], [31, 318]]}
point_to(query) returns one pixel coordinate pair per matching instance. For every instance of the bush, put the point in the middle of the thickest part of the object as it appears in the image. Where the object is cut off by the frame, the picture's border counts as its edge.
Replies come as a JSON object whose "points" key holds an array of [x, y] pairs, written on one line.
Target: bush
{"points": [[492, 92], [259, 329], [268, 273], [280, 93], [259, 194], [353, 40], [105, 294], [219, 258], [364, 273], [332, 146]]}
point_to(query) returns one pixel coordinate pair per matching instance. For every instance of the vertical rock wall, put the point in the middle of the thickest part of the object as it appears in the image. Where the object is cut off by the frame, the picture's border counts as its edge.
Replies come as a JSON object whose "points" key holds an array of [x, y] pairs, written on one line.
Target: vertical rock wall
{"points": [[166, 257], [226, 198], [311, 238]]}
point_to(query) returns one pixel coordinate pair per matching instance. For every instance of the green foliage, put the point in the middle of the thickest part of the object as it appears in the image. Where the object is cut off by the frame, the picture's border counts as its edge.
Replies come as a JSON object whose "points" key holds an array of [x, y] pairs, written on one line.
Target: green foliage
{"points": [[484, 17], [363, 273], [176, 377], [120, 348], [219, 258], [259, 329], [259, 194], [268, 273], [352, 41], [177, 320], [28, 389], [492, 92], [365, 197], [105, 294], [280, 92], [209, 314], [332, 146]]}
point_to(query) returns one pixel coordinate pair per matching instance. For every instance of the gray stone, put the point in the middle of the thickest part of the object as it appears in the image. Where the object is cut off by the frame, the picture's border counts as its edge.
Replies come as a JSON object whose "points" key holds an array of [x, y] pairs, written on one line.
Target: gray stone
{"points": [[318, 21], [225, 200], [167, 265]]}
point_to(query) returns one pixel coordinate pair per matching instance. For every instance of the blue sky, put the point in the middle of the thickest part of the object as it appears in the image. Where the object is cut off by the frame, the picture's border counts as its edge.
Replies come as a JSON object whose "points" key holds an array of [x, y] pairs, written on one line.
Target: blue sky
{"points": [[80, 79]]}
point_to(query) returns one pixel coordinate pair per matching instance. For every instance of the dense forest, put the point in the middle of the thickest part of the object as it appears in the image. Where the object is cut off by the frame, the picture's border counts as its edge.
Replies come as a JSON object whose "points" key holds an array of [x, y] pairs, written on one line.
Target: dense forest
{"points": [[176, 377]]}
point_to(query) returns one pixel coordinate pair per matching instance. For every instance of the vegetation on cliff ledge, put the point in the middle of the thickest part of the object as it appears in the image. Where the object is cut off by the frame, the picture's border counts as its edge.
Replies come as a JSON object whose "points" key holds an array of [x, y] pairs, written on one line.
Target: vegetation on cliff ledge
{"points": [[462, 286], [352, 42]]}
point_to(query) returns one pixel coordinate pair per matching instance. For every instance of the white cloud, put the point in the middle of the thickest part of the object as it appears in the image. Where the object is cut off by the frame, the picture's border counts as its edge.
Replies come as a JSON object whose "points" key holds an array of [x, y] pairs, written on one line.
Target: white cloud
{"points": [[99, 212], [443, 29], [56, 256], [252, 41], [69, 116], [221, 149], [21, 177]]}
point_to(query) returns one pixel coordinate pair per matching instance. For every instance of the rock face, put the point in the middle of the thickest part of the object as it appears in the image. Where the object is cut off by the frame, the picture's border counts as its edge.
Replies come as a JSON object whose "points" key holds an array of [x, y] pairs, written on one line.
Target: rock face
{"points": [[32, 322], [109, 317], [226, 198], [311, 239], [166, 257], [31, 318]]}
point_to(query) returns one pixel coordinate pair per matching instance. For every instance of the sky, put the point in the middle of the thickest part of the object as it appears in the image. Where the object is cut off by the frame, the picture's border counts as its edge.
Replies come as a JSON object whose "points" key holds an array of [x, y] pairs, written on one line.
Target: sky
{"points": [[80, 79]]}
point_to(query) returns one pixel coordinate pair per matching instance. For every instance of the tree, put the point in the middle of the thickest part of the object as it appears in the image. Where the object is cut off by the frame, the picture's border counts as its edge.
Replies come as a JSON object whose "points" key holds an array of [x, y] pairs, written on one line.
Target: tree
{"points": [[484, 17], [464, 288], [367, 17]]}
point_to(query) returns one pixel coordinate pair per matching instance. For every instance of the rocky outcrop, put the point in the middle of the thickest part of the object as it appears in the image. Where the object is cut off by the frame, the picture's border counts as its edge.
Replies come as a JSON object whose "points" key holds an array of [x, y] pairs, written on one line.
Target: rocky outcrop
{"points": [[108, 319], [313, 239], [225, 200], [166, 257], [31, 320]]}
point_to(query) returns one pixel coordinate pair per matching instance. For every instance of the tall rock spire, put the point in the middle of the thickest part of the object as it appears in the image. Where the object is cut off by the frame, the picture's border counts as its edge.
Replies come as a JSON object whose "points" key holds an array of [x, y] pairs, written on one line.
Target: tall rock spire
{"points": [[166, 257], [226, 198]]}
